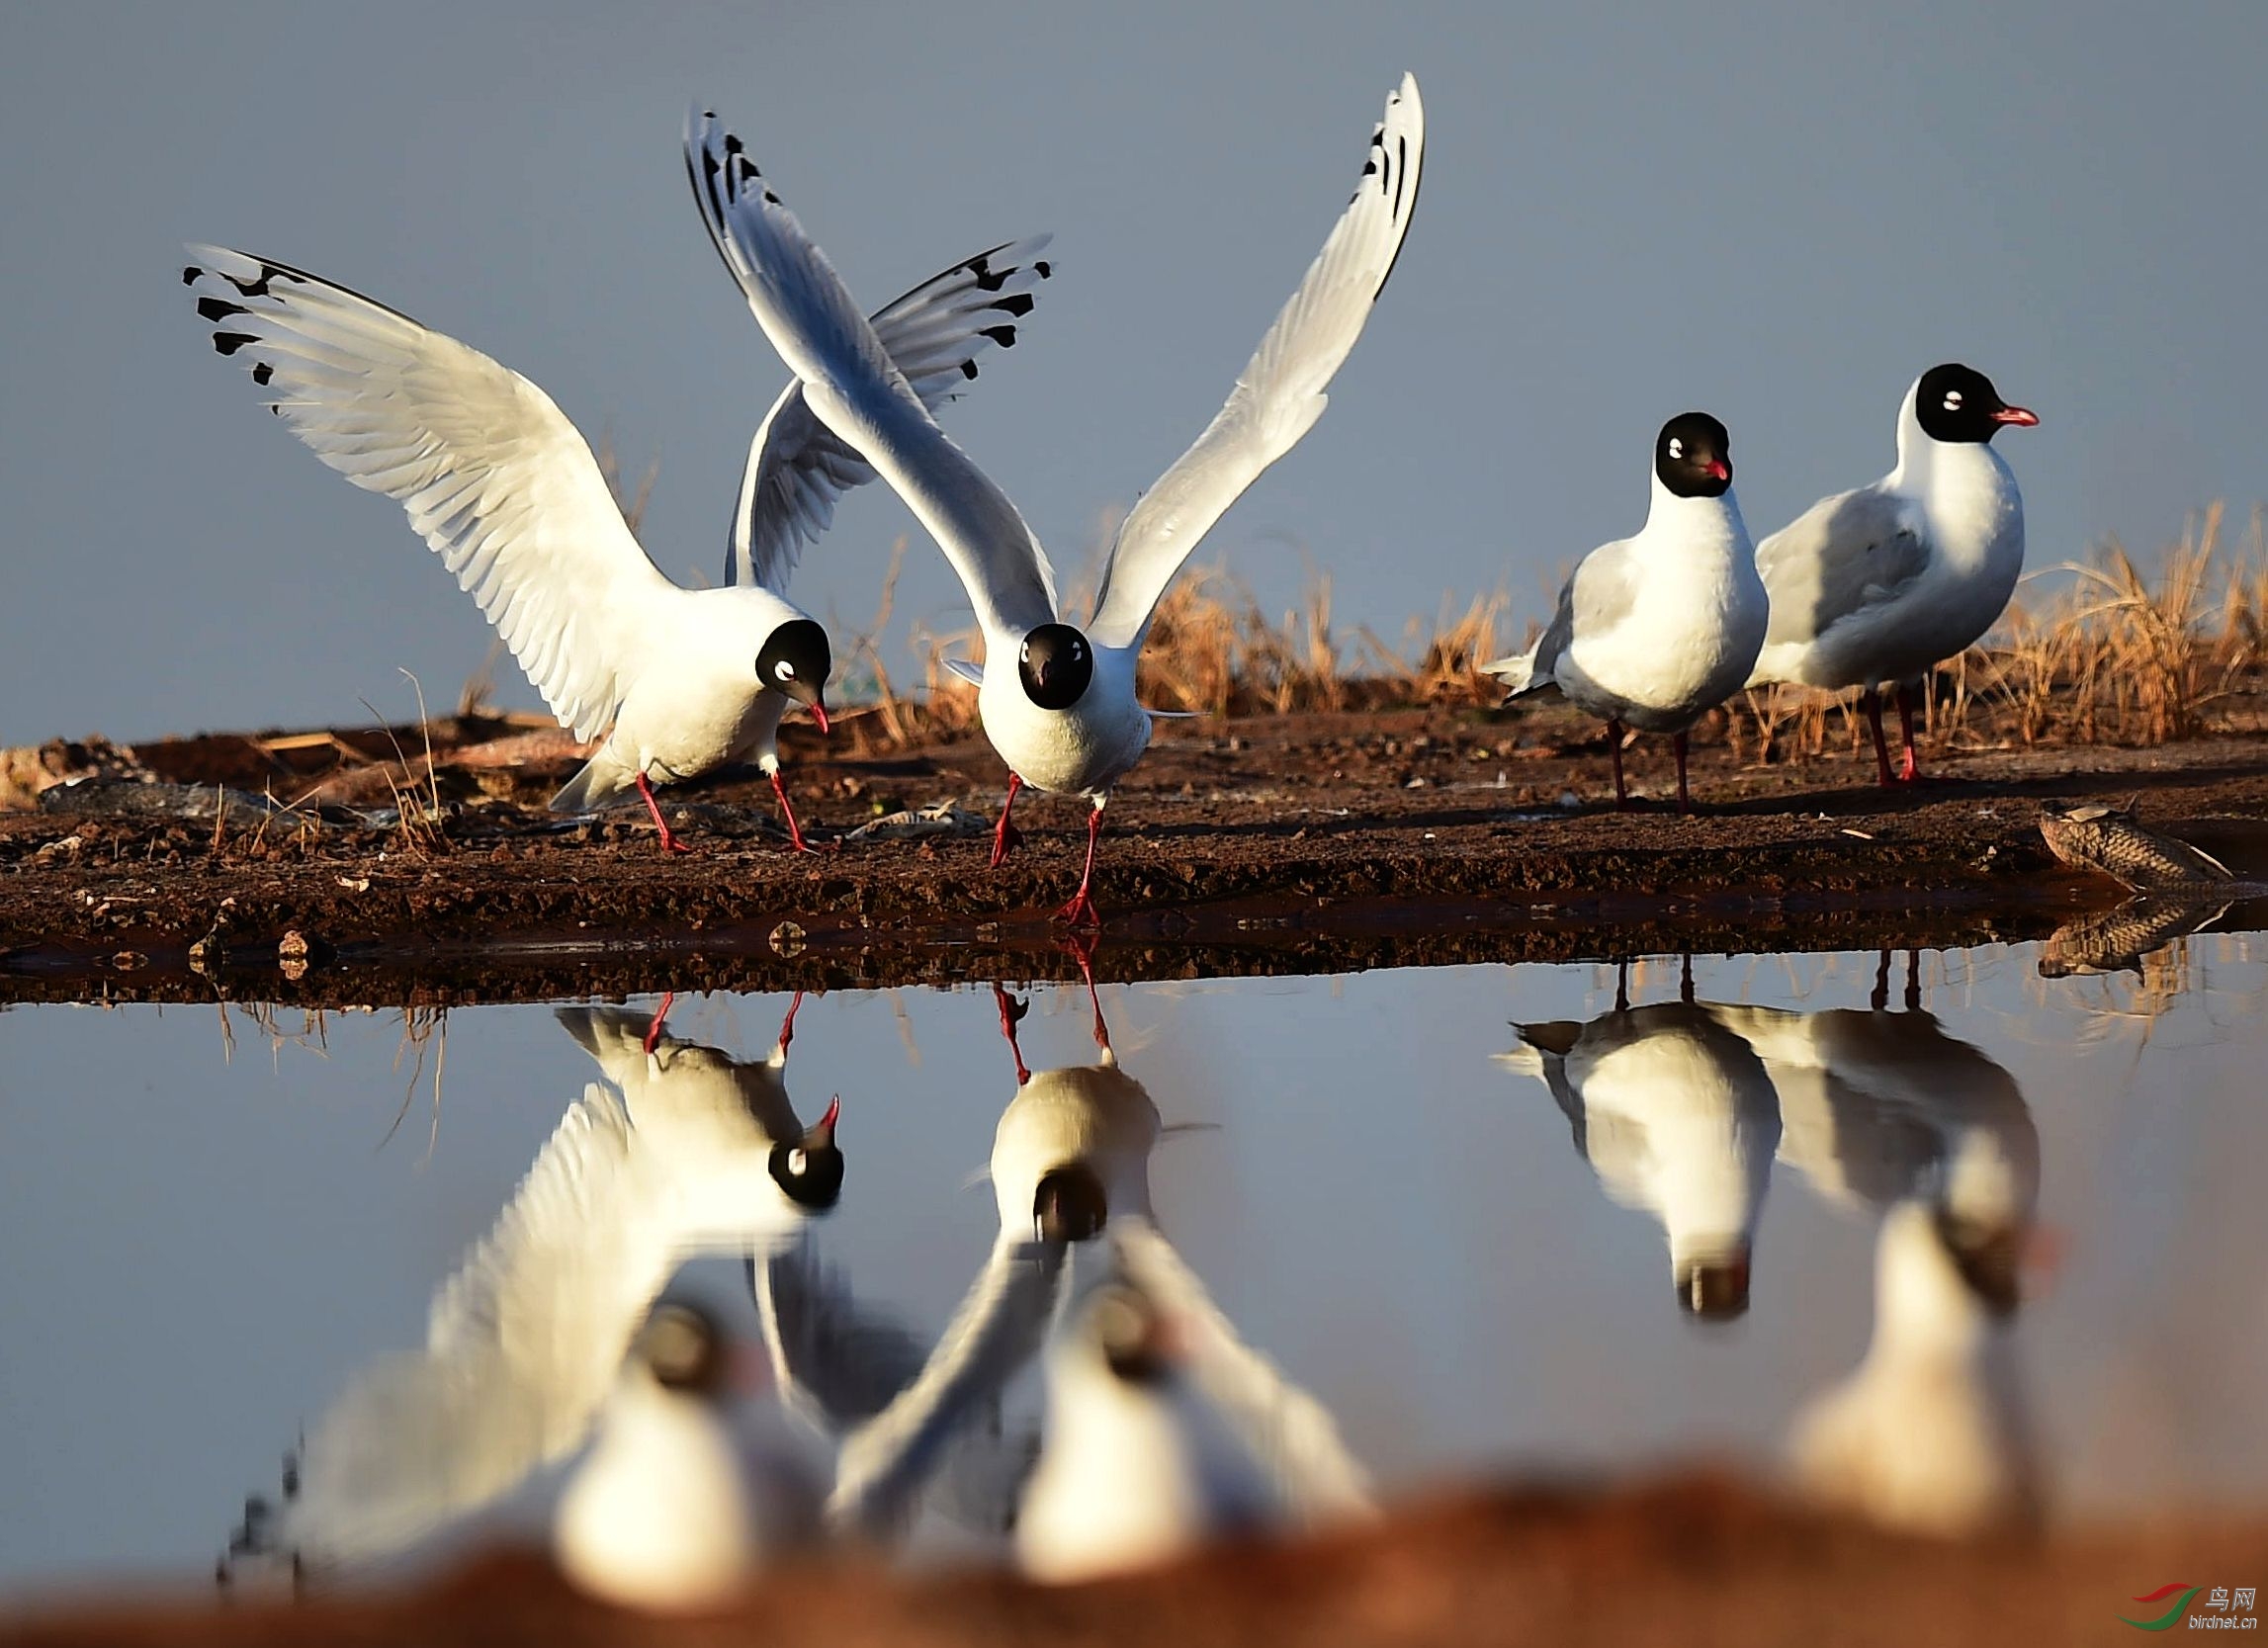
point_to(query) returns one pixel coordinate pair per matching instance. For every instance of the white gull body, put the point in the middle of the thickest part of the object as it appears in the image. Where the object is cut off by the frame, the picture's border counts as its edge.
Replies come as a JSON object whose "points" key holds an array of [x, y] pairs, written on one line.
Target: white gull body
{"points": [[1056, 702]]}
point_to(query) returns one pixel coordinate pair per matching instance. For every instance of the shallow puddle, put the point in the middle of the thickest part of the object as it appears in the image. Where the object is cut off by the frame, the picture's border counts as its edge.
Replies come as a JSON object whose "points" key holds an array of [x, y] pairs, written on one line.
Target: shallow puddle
{"points": [[221, 1223]]}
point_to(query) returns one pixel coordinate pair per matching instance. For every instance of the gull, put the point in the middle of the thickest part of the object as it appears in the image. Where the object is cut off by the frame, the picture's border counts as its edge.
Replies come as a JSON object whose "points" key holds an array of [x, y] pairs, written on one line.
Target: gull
{"points": [[1058, 702], [688, 1150], [507, 492], [686, 1493], [1877, 586], [1069, 1172], [1657, 630], [1675, 1115], [1929, 1436]]}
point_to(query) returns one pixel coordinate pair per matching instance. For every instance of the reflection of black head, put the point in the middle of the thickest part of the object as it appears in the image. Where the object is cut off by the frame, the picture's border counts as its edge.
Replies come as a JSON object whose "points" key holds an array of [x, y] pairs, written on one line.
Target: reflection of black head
{"points": [[1132, 1335], [1070, 1204], [1715, 1290], [809, 1170], [1693, 456], [685, 1347], [1989, 1259], [796, 660], [1055, 664], [1955, 403]]}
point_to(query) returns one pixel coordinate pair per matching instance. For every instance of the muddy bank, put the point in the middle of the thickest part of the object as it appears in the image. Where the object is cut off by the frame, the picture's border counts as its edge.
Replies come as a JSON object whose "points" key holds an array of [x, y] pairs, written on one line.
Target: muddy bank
{"points": [[1285, 845], [1693, 1561]]}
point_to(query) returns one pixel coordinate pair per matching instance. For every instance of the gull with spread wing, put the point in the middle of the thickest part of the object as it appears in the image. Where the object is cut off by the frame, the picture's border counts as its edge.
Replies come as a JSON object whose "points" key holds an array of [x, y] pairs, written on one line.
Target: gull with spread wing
{"points": [[506, 491], [1064, 716]]}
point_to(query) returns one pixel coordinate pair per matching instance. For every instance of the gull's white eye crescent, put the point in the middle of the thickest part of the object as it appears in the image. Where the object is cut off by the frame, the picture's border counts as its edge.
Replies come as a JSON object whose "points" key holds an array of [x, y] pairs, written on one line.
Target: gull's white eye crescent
{"points": [[1953, 401], [1677, 447], [797, 1163], [784, 670]]}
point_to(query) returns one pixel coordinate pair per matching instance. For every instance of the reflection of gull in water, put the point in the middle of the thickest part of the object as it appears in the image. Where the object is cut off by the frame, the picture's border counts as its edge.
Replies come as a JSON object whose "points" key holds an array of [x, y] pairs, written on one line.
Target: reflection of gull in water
{"points": [[1675, 1116], [686, 1490], [1069, 1170], [1929, 1434], [1878, 1105], [700, 1151]]}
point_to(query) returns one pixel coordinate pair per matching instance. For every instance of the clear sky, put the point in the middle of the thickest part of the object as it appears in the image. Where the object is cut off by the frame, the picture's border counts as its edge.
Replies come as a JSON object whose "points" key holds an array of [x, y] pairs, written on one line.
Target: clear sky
{"points": [[1778, 212]]}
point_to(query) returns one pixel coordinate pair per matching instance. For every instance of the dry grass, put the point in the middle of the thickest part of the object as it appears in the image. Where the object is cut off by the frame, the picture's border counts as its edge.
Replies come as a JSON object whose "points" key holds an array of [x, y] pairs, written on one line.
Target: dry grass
{"points": [[1214, 650], [2114, 652]]}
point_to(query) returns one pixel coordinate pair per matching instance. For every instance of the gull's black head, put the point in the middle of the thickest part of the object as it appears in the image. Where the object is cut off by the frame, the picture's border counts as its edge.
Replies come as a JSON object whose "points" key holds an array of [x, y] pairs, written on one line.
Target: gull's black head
{"points": [[1070, 1204], [1693, 455], [796, 660], [810, 1169], [685, 1348], [1055, 665], [1955, 403], [1716, 1290], [1989, 1259], [1137, 1345]]}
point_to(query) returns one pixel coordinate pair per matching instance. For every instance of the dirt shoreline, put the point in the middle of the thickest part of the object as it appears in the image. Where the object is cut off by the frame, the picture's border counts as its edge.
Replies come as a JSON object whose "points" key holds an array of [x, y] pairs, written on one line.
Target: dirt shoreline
{"points": [[1692, 1560], [1298, 843]]}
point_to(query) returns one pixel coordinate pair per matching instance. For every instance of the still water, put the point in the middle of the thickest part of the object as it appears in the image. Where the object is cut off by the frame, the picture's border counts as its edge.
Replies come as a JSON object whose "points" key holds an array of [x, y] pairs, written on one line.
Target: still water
{"points": [[1469, 1220]]}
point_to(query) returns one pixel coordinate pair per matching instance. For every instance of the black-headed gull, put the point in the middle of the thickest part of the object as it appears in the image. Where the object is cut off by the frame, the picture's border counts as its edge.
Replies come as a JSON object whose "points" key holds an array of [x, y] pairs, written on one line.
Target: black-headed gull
{"points": [[1066, 718], [504, 489], [1676, 1115], [689, 1151], [688, 1490], [1657, 630], [1930, 1433], [1877, 586]]}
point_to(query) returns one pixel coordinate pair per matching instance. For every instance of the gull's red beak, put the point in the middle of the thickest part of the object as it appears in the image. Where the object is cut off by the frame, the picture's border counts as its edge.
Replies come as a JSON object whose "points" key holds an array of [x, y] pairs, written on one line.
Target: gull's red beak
{"points": [[818, 705], [2018, 415], [1720, 470], [833, 1114]]}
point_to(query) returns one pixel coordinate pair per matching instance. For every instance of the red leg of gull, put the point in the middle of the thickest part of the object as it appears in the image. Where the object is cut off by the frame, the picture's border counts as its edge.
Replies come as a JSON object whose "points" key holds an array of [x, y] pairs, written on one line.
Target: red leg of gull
{"points": [[1006, 838], [1012, 1011], [1911, 768], [1685, 801], [1081, 910], [1874, 704], [1615, 747], [654, 1030], [1082, 949], [796, 843], [787, 1024], [670, 841]]}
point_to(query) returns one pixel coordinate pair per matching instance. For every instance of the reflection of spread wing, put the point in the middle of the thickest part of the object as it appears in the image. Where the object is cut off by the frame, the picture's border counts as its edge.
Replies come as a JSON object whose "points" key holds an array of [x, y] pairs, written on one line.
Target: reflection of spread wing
{"points": [[1003, 1318], [837, 1365], [1288, 1431], [1839, 557], [525, 1343]]}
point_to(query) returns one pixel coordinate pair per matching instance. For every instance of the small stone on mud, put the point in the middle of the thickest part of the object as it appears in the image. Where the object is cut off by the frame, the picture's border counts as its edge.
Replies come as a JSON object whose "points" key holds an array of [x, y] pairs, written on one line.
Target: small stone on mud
{"points": [[787, 940]]}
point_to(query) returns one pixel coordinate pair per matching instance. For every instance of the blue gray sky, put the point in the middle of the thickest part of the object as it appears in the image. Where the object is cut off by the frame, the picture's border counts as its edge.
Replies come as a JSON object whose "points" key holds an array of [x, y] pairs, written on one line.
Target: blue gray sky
{"points": [[1778, 212]]}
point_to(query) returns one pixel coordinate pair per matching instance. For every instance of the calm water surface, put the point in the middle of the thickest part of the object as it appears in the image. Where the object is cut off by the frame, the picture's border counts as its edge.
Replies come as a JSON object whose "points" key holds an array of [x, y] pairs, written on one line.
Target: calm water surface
{"points": [[1479, 1250]]}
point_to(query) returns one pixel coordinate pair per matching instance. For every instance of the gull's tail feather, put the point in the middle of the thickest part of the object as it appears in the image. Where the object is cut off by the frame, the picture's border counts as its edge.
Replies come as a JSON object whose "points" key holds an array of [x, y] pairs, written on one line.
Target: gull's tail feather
{"points": [[1518, 673], [603, 779]]}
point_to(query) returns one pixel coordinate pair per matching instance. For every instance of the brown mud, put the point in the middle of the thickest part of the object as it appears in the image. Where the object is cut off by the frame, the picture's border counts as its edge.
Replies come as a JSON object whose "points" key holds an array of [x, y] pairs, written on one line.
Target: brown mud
{"points": [[1691, 1561], [1281, 845]]}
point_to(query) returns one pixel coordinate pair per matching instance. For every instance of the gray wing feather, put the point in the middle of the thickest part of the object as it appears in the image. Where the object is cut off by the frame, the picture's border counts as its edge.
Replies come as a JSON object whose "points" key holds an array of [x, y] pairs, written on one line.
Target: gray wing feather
{"points": [[935, 335], [1842, 556]]}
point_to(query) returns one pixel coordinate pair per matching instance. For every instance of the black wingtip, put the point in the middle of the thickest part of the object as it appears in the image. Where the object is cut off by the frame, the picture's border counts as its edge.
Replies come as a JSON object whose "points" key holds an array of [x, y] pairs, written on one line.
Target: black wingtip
{"points": [[190, 275]]}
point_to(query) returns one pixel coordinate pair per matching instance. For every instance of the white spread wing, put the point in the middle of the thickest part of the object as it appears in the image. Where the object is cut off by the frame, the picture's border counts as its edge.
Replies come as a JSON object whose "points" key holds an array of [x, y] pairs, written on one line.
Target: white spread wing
{"points": [[935, 335], [1279, 394], [525, 1341], [494, 476], [853, 389]]}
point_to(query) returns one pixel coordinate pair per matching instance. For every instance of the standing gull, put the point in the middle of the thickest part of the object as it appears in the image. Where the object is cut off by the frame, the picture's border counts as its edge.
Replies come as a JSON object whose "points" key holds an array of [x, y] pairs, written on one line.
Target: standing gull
{"points": [[505, 490], [1879, 584], [1064, 719], [1655, 631]]}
